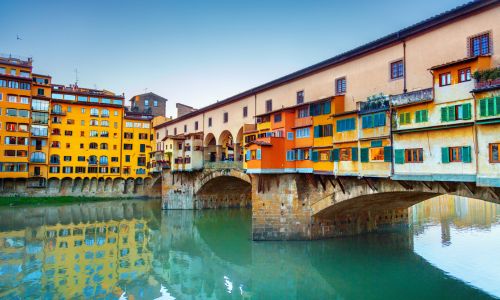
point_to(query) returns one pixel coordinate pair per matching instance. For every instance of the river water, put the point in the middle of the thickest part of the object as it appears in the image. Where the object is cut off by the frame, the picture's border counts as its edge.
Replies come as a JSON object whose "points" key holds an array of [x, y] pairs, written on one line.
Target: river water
{"points": [[132, 250]]}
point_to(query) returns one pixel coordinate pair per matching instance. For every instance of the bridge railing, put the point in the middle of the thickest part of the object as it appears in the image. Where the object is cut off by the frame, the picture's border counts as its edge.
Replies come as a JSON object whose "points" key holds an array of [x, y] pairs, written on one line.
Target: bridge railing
{"points": [[223, 165]]}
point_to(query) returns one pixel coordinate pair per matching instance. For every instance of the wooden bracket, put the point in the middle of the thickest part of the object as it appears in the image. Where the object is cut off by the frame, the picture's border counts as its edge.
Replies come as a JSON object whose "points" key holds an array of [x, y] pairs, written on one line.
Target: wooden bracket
{"points": [[405, 185], [331, 181], [341, 185], [370, 184], [445, 186], [471, 188], [493, 193], [428, 185], [323, 184]]}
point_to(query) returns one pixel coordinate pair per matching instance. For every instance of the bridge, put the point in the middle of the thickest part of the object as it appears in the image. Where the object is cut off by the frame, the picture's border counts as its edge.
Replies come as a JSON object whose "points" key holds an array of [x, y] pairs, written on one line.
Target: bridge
{"points": [[309, 206]]}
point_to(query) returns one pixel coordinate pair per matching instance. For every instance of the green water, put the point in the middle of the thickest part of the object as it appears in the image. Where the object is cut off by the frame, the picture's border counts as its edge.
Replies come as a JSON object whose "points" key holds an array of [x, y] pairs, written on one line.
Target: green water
{"points": [[132, 250]]}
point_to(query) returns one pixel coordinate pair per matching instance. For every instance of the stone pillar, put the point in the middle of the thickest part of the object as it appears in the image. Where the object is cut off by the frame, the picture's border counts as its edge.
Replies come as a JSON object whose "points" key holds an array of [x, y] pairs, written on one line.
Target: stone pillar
{"points": [[218, 153], [206, 153], [237, 152]]}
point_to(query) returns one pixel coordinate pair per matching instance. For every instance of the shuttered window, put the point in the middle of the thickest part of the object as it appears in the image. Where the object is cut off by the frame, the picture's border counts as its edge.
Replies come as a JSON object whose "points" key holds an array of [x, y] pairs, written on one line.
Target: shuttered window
{"points": [[248, 155], [421, 116], [365, 154], [314, 156], [404, 118], [456, 154], [489, 107], [346, 125], [456, 112], [290, 155]]}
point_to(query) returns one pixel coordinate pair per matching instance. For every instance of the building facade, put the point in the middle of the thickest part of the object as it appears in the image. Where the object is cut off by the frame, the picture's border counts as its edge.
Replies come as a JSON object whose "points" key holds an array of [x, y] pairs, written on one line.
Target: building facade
{"points": [[148, 103]]}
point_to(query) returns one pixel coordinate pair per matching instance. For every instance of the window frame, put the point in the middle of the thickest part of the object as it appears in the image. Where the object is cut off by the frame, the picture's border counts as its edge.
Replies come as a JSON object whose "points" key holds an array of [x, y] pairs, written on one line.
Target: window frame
{"points": [[400, 73], [343, 87], [468, 75], [490, 153], [448, 79]]}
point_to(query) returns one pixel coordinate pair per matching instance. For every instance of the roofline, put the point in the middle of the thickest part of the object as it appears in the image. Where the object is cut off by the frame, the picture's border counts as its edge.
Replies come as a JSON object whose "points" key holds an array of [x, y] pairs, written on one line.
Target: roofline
{"points": [[133, 97], [398, 36]]}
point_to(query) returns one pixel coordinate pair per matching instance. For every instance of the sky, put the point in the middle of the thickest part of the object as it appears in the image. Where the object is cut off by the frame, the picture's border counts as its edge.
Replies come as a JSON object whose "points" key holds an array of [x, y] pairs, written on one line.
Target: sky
{"points": [[194, 52]]}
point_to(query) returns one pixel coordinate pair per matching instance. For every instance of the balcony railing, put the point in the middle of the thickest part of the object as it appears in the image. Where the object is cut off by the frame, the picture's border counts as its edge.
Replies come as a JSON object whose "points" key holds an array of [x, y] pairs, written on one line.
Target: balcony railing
{"points": [[37, 160], [58, 112], [238, 165], [487, 83], [374, 103], [412, 97], [303, 122]]}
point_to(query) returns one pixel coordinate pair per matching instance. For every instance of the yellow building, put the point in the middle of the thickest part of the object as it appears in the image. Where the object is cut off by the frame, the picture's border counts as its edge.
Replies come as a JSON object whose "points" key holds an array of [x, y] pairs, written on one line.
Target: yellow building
{"points": [[138, 136], [85, 133], [15, 99]]}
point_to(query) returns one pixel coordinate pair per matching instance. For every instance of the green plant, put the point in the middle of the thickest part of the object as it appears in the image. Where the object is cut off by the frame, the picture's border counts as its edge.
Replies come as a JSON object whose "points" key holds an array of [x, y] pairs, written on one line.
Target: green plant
{"points": [[485, 75]]}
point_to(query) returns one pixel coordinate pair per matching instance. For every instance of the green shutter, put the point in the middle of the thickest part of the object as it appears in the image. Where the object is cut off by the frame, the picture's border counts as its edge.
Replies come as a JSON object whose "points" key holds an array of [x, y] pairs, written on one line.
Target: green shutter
{"points": [[316, 131], [388, 154], [315, 156], [401, 118], [497, 105], [418, 116], [444, 114], [425, 115], [445, 155], [482, 107], [335, 154], [326, 108], [451, 113], [364, 155], [399, 156], [466, 154], [491, 107], [408, 118], [354, 154], [467, 111]]}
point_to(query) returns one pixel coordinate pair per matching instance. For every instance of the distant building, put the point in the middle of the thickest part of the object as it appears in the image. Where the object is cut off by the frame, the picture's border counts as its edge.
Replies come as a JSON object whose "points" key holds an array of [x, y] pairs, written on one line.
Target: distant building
{"points": [[183, 109], [149, 103]]}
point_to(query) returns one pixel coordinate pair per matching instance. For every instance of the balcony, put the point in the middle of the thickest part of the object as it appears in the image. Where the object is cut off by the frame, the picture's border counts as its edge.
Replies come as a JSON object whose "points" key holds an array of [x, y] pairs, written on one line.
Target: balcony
{"points": [[218, 165], [264, 125], [303, 122], [414, 97], [37, 160], [249, 128], [375, 103], [58, 112]]}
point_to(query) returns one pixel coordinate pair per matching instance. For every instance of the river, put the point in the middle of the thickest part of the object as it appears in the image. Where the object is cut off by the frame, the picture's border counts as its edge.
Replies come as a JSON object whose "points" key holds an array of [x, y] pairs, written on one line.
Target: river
{"points": [[132, 250]]}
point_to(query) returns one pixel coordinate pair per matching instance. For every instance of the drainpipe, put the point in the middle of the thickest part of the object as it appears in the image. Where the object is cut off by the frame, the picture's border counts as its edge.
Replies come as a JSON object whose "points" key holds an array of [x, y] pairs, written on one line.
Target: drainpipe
{"points": [[404, 66], [476, 149]]}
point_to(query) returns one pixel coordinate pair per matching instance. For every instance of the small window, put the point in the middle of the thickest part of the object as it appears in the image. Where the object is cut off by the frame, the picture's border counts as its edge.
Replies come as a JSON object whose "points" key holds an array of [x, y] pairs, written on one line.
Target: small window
{"points": [[345, 154], [185, 128], [155, 103], [397, 69], [146, 102], [377, 154], [277, 118], [464, 75], [445, 79], [300, 97], [269, 105], [226, 117], [414, 155], [340, 86], [196, 125], [455, 154], [209, 123], [480, 45], [494, 156], [245, 112]]}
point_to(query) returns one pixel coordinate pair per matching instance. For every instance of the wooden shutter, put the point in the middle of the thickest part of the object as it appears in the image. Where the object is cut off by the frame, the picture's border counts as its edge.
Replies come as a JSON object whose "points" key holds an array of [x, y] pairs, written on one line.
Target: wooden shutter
{"points": [[418, 116], [467, 111], [365, 155], [326, 108], [335, 155], [482, 107], [445, 155], [466, 154], [451, 113], [491, 107], [408, 118], [425, 116], [401, 118], [354, 154], [314, 156], [497, 105], [444, 114], [316, 131], [248, 155], [259, 155], [388, 154], [399, 156]]}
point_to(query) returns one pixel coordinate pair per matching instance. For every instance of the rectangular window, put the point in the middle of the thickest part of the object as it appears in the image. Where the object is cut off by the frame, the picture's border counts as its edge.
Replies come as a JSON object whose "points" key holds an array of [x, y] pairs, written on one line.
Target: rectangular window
{"points": [[480, 45], [196, 125], [397, 69], [445, 79], [155, 103], [303, 112], [303, 132], [289, 136], [245, 111], [489, 107], [340, 86], [455, 154], [209, 123], [404, 118], [269, 105], [300, 97], [377, 154], [324, 155], [323, 130], [345, 154], [226, 117], [185, 128], [146, 102], [346, 125], [494, 156], [277, 118], [421, 116], [464, 75], [456, 112], [318, 109], [414, 155], [290, 155]]}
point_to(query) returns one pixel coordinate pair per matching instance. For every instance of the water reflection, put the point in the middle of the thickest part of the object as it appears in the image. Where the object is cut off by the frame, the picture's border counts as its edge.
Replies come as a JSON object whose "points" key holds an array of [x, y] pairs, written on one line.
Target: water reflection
{"points": [[131, 250]]}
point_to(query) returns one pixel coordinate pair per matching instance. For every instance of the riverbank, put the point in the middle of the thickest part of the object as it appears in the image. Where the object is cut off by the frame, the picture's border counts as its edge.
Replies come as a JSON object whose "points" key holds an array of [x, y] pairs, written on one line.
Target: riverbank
{"points": [[20, 201]]}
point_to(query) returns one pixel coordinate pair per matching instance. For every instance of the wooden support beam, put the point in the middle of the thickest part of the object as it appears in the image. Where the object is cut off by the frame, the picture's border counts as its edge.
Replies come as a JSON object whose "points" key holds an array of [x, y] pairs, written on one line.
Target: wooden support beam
{"points": [[493, 193], [315, 181], [331, 181], [323, 184], [405, 185], [471, 188], [370, 184], [445, 186], [341, 185], [428, 185]]}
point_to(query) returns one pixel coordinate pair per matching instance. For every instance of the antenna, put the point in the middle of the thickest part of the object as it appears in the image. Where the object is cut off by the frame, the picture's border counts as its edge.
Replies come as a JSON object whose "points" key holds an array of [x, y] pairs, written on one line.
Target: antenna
{"points": [[76, 76], [145, 90]]}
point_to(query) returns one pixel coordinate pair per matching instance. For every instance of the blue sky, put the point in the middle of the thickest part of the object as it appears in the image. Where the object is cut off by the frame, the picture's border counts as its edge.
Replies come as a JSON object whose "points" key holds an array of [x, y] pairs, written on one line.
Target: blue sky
{"points": [[194, 52]]}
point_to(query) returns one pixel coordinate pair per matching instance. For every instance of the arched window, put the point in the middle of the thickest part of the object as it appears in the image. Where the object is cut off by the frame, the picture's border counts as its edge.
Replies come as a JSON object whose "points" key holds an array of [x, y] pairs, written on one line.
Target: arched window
{"points": [[93, 146], [92, 160], [94, 122], [103, 160], [104, 146], [94, 112], [105, 123], [105, 113], [56, 109], [54, 159]]}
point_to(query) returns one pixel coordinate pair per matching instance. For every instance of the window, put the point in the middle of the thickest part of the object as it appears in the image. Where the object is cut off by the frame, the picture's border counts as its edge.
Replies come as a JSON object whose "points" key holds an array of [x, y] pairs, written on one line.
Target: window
{"points": [[104, 133], [445, 79], [175, 131], [269, 105], [345, 154], [105, 113], [226, 117], [25, 100], [290, 155], [13, 84], [94, 112], [12, 99], [300, 97], [489, 107], [397, 69], [377, 154], [92, 160], [195, 126], [421, 116], [245, 111], [303, 132], [324, 155], [129, 125], [104, 146], [55, 144], [464, 75], [346, 125], [494, 156], [81, 158], [54, 159], [155, 103], [128, 135], [374, 120], [209, 124], [82, 99], [93, 146], [41, 105], [414, 155], [289, 136], [340, 86], [41, 92], [185, 128], [146, 102], [323, 130], [68, 133], [277, 118], [105, 123], [2, 70], [318, 109], [67, 158], [54, 170], [479, 45], [93, 133], [79, 170], [303, 112], [404, 118], [456, 154], [103, 160], [127, 146], [456, 112], [24, 74]]}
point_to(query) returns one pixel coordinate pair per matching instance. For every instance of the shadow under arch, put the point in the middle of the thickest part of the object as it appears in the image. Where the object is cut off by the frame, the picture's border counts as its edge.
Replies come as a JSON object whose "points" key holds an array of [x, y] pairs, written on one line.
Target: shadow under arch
{"points": [[224, 190]]}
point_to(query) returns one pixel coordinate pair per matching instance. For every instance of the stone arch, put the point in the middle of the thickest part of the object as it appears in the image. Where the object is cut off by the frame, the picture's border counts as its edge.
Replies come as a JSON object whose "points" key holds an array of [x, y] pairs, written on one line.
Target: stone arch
{"points": [[100, 184], [118, 185], [66, 185], [129, 185], [209, 140], [238, 145], [223, 188], [108, 185], [225, 145], [93, 185], [138, 185], [86, 185], [210, 148], [77, 185], [53, 185]]}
